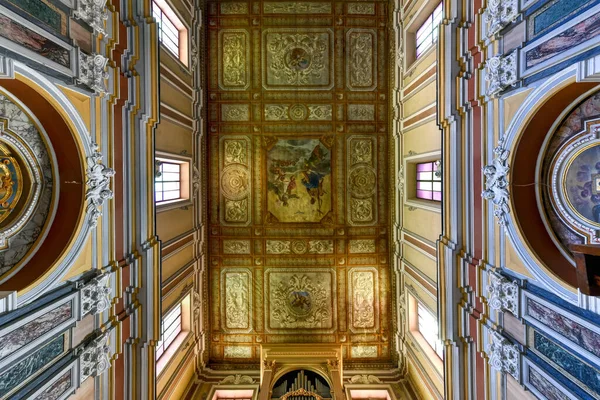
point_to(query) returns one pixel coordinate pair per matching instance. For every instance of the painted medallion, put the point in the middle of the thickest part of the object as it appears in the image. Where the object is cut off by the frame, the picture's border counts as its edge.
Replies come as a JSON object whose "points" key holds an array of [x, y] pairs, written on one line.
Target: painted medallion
{"points": [[299, 180], [583, 184]]}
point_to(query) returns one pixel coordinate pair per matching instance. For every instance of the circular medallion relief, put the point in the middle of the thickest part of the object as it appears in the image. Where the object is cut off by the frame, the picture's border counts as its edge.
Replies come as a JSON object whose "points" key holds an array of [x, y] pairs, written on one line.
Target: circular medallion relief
{"points": [[362, 181], [299, 303], [298, 112], [234, 182], [297, 59]]}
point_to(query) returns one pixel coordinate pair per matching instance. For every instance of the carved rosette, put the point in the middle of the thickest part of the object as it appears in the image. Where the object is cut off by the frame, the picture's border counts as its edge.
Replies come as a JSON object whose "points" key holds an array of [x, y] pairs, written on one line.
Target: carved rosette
{"points": [[235, 179], [500, 13], [501, 73], [98, 185], [93, 12], [496, 185], [92, 72], [94, 356], [503, 294], [504, 356], [96, 295]]}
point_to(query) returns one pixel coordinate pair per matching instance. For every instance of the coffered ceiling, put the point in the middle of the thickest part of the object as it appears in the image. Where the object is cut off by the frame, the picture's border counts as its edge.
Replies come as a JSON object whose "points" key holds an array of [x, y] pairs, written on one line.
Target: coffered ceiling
{"points": [[298, 191]]}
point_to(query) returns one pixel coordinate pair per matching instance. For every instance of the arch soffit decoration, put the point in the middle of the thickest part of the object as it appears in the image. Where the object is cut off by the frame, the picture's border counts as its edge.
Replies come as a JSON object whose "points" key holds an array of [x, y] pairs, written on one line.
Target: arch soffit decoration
{"points": [[51, 277], [534, 103]]}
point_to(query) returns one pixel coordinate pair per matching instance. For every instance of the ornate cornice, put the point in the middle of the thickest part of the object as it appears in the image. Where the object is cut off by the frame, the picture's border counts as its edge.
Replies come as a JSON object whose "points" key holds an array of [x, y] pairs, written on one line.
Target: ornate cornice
{"points": [[98, 185], [92, 72], [501, 73], [503, 356], [93, 12], [503, 294], [496, 185], [500, 13]]}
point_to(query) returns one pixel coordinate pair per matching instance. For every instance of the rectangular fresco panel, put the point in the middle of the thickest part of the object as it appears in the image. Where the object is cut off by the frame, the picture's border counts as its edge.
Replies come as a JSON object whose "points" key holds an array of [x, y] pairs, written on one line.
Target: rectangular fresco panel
{"points": [[58, 388], [566, 362], [31, 365], [23, 36], [574, 36], [45, 12], [32, 330], [573, 331], [299, 180]]}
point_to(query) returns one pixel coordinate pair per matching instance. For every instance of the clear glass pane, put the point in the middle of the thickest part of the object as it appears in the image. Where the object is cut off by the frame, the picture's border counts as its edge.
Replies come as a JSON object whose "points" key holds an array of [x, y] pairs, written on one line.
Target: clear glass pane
{"points": [[425, 185], [425, 176], [437, 186], [172, 195], [169, 167]]}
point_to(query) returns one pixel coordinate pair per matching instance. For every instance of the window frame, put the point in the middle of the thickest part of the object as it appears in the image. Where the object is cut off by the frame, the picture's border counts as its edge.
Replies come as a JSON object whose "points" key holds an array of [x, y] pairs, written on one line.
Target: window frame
{"points": [[167, 354], [412, 26], [423, 31], [413, 327], [169, 13], [185, 185], [410, 198], [435, 179]]}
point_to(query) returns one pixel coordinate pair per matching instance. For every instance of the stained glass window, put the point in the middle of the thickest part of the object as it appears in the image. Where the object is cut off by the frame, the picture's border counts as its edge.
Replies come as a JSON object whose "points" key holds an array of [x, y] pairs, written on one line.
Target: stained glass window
{"points": [[170, 328], [167, 183], [428, 327], [168, 34], [427, 34], [429, 181]]}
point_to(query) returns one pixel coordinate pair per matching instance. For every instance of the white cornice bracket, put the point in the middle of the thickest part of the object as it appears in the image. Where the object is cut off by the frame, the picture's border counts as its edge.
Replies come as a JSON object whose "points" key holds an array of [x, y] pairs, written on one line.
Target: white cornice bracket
{"points": [[504, 356], [503, 294], [500, 13], [92, 72], [501, 73], [93, 12]]}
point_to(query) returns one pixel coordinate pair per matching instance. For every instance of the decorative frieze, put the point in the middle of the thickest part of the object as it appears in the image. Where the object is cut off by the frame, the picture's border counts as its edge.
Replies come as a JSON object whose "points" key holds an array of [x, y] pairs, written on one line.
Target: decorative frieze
{"points": [[98, 185], [503, 356], [237, 380], [93, 12], [496, 185], [500, 13], [503, 294], [92, 72], [96, 295], [501, 72], [94, 356]]}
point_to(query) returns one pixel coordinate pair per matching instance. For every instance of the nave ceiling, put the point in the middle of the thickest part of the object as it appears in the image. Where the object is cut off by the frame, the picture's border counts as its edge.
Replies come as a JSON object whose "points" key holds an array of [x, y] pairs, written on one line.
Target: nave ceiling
{"points": [[298, 186]]}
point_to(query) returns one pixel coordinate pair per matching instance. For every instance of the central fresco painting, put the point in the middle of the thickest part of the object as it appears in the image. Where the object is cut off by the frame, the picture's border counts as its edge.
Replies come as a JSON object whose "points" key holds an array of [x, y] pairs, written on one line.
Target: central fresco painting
{"points": [[299, 180], [298, 135]]}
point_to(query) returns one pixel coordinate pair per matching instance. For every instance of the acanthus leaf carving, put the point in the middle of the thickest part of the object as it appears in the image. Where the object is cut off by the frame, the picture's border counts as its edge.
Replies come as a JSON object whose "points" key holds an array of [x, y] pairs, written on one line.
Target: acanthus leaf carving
{"points": [[92, 72], [93, 12], [364, 379], [501, 73], [96, 295], [94, 356], [98, 185], [504, 356], [500, 13], [503, 294], [496, 185], [237, 379]]}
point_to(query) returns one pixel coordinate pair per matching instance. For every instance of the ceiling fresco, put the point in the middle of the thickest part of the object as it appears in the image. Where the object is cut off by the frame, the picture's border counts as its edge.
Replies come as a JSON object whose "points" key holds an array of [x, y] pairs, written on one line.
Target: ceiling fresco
{"points": [[298, 190]]}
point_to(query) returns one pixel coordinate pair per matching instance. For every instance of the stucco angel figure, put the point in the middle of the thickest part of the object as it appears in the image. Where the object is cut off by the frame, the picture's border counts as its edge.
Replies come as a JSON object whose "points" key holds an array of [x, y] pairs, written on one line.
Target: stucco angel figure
{"points": [[496, 184]]}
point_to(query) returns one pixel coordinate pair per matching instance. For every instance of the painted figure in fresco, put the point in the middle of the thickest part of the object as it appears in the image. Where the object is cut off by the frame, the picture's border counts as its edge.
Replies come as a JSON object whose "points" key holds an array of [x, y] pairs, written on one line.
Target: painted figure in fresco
{"points": [[313, 180]]}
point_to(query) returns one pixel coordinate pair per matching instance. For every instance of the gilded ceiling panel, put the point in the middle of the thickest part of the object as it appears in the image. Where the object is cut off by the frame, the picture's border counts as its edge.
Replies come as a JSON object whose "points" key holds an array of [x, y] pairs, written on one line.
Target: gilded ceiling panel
{"points": [[298, 193]]}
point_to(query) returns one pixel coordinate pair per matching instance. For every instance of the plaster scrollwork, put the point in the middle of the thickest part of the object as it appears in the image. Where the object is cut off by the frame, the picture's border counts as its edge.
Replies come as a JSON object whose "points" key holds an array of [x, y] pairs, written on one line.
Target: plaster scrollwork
{"points": [[501, 73], [93, 12], [503, 294], [400, 181], [504, 356], [92, 72], [500, 13], [237, 380], [496, 185], [96, 295], [98, 185], [364, 379], [195, 180], [94, 356]]}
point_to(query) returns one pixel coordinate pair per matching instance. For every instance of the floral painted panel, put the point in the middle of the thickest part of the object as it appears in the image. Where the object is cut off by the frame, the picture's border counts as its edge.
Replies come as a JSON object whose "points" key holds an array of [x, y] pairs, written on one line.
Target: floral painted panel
{"points": [[30, 365], [542, 385], [582, 32], [577, 333], [569, 364], [32, 330], [33, 41], [58, 388]]}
